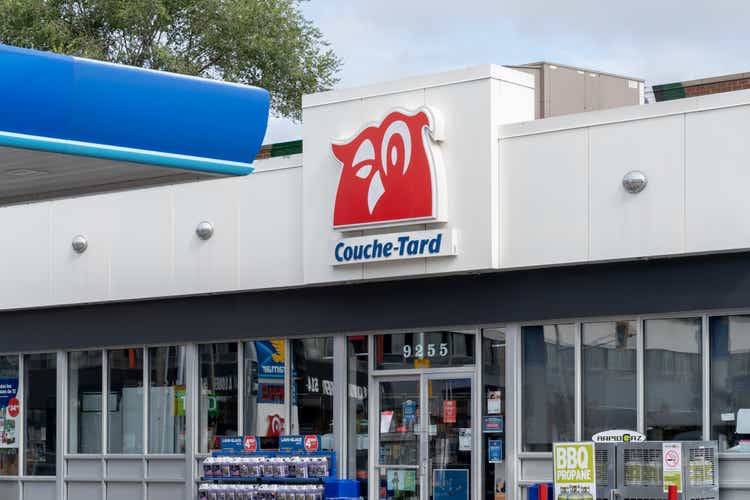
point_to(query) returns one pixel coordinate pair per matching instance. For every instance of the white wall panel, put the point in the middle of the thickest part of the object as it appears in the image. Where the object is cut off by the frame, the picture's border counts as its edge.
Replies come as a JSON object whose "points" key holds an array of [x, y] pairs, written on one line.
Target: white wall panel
{"points": [[649, 223], [717, 180], [544, 199], [320, 176], [25, 263], [467, 156], [81, 277], [211, 265], [270, 222], [142, 243]]}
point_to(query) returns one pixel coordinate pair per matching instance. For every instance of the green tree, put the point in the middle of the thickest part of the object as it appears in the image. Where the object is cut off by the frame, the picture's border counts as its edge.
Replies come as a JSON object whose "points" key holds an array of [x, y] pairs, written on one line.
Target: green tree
{"points": [[268, 43]]}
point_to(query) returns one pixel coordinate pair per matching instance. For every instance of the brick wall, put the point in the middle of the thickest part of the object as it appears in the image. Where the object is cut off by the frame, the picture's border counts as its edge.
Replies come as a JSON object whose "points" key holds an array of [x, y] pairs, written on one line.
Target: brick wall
{"points": [[717, 87]]}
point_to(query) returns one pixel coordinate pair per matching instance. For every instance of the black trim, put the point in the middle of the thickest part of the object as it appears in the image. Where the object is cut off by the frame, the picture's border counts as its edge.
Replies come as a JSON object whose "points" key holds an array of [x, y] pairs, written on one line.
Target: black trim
{"points": [[719, 281]]}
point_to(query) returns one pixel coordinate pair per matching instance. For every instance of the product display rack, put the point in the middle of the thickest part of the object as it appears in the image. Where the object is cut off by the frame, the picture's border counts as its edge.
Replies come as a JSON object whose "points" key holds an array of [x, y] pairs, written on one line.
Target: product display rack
{"points": [[239, 482]]}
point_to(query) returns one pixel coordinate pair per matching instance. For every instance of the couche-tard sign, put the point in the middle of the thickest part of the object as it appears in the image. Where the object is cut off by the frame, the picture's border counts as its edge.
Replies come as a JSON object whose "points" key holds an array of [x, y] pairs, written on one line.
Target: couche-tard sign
{"points": [[390, 177]]}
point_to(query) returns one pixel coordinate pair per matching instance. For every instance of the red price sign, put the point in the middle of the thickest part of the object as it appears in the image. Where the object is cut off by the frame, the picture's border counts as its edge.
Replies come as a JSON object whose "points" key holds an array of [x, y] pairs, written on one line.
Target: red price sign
{"points": [[449, 411], [251, 444], [14, 407], [311, 443]]}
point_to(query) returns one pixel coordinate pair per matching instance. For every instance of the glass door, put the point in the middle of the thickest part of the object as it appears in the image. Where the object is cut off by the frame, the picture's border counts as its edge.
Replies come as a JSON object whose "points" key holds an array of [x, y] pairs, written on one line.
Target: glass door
{"points": [[450, 442], [399, 439], [428, 459]]}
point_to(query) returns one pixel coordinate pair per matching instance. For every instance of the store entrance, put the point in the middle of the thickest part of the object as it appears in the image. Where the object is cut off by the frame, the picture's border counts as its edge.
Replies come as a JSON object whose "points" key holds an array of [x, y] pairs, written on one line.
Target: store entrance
{"points": [[425, 445]]}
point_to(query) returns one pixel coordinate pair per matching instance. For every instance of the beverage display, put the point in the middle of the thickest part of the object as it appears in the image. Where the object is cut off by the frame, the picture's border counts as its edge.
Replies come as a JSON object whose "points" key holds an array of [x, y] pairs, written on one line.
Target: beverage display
{"points": [[259, 492], [300, 467]]}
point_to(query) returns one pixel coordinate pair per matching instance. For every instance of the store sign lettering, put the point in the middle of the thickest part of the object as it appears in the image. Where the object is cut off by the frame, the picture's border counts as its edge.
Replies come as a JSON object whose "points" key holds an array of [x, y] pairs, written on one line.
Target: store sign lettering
{"points": [[397, 246]]}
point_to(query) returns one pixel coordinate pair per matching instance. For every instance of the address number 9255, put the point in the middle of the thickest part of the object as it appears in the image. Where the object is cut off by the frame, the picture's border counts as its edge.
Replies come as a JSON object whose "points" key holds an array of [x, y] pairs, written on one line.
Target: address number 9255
{"points": [[426, 351]]}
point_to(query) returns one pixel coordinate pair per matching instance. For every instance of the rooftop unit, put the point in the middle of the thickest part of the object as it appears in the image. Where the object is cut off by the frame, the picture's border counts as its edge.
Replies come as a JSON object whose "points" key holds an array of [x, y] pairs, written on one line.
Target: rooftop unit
{"points": [[562, 90]]}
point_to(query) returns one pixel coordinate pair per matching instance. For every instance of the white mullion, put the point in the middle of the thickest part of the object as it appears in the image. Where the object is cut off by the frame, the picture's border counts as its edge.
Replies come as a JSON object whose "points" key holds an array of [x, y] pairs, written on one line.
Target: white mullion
{"points": [[340, 403], [191, 404], [578, 383], [288, 381], [241, 388], [372, 417], [641, 376], [61, 421], [105, 418], [146, 389], [22, 422], [706, 378], [145, 377]]}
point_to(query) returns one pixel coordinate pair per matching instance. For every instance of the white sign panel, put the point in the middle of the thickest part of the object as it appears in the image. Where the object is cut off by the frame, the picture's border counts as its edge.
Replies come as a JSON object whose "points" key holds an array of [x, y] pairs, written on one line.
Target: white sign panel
{"points": [[619, 436], [395, 246], [672, 466]]}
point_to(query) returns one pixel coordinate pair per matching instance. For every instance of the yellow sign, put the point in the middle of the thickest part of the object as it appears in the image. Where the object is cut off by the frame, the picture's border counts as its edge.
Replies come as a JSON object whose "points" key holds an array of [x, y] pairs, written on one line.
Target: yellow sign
{"points": [[575, 471]]}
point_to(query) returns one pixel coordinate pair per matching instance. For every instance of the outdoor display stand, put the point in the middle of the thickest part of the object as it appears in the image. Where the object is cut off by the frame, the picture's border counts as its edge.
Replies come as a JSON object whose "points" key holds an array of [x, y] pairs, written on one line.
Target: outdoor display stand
{"points": [[647, 469], [292, 474]]}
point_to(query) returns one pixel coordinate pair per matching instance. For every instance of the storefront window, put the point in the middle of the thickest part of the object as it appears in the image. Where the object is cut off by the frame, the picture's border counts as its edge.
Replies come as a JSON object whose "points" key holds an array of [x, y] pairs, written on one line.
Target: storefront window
{"points": [[493, 411], [358, 426], [125, 419], [218, 403], [166, 399], [730, 382], [548, 385], [40, 405], [9, 414], [85, 402], [312, 396], [609, 376], [424, 350], [265, 395], [673, 379]]}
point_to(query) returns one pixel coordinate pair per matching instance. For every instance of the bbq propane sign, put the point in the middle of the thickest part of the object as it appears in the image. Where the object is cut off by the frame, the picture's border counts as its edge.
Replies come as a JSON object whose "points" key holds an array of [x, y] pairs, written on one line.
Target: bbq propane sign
{"points": [[575, 471], [391, 177]]}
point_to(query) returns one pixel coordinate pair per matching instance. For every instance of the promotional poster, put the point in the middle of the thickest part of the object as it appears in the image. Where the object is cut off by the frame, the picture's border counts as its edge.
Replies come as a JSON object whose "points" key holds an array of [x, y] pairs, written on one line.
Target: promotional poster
{"points": [[10, 409]]}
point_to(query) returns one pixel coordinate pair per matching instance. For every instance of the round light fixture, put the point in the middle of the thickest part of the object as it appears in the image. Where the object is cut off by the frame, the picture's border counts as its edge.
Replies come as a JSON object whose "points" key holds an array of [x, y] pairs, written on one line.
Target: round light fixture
{"points": [[204, 230], [79, 244], [634, 181]]}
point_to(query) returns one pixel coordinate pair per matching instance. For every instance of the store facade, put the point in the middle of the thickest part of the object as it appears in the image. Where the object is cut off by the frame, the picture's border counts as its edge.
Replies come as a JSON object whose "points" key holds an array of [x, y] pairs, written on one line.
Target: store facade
{"points": [[439, 287]]}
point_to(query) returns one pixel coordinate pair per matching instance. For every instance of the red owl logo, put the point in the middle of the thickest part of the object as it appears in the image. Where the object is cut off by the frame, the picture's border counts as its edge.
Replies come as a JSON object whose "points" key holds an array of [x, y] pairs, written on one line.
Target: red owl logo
{"points": [[388, 173], [275, 425]]}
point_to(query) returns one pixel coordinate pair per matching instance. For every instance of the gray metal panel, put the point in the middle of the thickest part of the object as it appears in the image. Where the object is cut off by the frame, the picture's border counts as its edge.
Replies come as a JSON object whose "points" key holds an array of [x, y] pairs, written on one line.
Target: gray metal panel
{"points": [[85, 469], [162, 491], [536, 470], [9, 489], [85, 491], [166, 468], [125, 491], [37, 490], [566, 90], [124, 469]]}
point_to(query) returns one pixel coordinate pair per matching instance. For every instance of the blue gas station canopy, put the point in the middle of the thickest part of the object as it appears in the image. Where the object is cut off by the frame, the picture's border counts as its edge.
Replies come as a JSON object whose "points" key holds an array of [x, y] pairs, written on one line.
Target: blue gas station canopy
{"points": [[68, 123]]}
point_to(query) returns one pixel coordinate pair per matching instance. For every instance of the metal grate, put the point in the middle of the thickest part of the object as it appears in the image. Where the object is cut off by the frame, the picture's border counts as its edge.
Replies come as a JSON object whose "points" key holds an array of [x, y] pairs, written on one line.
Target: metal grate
{"points": [[701, 467], [602, 466]]}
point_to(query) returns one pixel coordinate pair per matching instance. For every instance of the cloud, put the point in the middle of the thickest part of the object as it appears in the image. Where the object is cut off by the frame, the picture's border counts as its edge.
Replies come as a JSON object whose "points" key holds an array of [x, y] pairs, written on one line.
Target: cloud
{"points": [[660, 42]]}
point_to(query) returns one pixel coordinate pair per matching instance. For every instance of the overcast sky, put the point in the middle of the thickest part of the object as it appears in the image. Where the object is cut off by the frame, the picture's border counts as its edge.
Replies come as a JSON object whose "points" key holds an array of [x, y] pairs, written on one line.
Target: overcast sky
{"points": [[660, 41]]}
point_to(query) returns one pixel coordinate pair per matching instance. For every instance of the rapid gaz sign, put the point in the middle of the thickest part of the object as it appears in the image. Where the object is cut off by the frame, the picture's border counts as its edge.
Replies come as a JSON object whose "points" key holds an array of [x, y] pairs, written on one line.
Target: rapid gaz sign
{"points": [[574, 469]]}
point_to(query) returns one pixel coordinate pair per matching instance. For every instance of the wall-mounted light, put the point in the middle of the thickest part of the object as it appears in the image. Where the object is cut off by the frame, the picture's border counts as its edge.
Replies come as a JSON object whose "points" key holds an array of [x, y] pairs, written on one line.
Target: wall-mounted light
{"points": [[634, 181], [204, 230], [79, 244]]}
